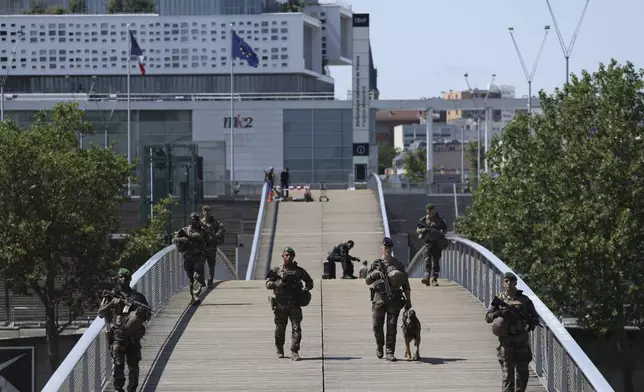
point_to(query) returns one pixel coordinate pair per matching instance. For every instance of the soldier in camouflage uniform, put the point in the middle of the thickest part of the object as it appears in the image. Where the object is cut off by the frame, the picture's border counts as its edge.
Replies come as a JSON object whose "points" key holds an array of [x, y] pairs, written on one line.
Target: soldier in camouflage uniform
{"points": [[191, 241], [286, 282], [385, 308], [432, 228], [125, 314], [512, 325], [216, 233]]}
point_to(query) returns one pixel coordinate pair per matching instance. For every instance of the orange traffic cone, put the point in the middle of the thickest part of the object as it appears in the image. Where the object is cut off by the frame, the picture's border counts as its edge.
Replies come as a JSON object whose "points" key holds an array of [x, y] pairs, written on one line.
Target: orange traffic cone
{"points": [[270, 196]]}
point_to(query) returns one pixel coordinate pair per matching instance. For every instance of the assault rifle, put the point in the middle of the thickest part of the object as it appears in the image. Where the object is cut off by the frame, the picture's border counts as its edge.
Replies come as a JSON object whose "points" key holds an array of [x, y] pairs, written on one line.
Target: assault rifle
{"points": [[128, 301], [515, 311]]}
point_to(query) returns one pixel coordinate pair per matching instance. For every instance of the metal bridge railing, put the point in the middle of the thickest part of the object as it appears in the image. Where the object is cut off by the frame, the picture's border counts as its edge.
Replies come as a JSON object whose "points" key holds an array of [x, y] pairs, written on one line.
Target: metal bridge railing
{"points": [[88, 367], [254, 252], [375, 184], [559, 362]]}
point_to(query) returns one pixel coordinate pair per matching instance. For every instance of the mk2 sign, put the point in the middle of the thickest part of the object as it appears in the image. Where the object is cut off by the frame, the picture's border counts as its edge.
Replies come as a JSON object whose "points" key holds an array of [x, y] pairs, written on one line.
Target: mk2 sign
{"points": [[17, 372], [240, 122]]}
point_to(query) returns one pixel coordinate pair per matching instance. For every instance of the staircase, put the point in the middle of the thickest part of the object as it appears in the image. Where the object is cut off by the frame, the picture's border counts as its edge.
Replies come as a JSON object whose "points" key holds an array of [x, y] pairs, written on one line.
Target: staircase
{"points": [[312, 229]]}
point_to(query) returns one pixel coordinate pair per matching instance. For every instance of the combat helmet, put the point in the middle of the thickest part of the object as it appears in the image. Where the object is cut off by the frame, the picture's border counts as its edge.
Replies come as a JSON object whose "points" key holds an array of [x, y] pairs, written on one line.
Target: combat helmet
{"points": [[396, 279], [499, 327]]}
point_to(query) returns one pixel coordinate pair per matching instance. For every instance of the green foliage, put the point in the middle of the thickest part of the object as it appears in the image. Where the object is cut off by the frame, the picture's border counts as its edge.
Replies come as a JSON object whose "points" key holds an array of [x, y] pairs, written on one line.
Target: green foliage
{"points": [[58, 204], [386, 155], [567, 209], [146, 242], [415, 166], [131, 7], [292, 6], [76, 6]]}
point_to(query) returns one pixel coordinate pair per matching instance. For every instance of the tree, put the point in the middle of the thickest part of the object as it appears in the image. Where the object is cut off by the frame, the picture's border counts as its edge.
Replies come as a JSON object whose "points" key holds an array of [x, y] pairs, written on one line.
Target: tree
{"points": [[415, 166], [59, 204], [144, 243], [567, 209], [76, 6], [386, 155], [131, 7]]}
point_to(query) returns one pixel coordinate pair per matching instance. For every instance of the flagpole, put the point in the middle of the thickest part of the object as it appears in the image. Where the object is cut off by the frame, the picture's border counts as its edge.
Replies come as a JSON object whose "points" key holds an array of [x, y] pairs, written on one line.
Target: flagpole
{"points": [[232, 110], [129, 126]]}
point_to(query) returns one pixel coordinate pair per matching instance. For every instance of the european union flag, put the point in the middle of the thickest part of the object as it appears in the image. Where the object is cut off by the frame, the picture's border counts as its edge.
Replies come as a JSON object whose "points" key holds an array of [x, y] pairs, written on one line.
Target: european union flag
{"points": [[241, 50]]}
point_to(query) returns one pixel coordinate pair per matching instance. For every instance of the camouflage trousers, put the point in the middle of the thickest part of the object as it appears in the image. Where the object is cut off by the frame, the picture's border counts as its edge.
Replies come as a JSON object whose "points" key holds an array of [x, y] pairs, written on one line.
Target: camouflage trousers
{"points": [[514, 355], [432, 257], [195, 269], [382, 313], [126, 352], [211, 259], [283, 313]]}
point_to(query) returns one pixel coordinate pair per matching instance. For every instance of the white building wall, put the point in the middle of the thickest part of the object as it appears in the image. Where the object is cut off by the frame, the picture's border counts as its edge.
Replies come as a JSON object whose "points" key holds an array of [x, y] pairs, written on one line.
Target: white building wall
{"points": [[258, 141], [99, 44], [337, 32]]}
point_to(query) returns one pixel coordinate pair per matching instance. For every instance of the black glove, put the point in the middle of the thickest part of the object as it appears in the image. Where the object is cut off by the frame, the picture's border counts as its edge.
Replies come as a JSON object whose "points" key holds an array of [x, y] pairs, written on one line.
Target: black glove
{"points": [[407, 305]]}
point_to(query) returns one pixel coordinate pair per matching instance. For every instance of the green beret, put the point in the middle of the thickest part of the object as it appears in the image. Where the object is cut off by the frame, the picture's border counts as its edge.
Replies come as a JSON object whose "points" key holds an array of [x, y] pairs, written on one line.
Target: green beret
{"points": [[429, 206], [509, 275], [205, 208], [290, 251]]}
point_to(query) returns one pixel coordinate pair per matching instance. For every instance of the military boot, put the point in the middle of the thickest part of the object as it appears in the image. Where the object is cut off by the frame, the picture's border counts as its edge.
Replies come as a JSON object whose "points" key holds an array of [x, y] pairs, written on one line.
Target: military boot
{"points": [[210, 283], [295, 356], [119, 389], [379, 352], [425, 281], [435, 281], [280, 352], [390, 357]]}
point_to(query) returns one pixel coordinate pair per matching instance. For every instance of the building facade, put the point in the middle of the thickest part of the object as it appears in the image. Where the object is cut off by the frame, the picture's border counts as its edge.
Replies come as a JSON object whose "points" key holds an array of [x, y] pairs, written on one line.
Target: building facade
{"points": [[183, 54]]}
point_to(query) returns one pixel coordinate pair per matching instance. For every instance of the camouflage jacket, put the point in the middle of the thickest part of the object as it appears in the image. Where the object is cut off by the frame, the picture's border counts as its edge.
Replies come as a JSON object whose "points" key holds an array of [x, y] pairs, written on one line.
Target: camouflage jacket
{"points": [[379, 294], [427, 223], [193, 246], [523, 316], [215, 234], [116, 315], [292, 275]]}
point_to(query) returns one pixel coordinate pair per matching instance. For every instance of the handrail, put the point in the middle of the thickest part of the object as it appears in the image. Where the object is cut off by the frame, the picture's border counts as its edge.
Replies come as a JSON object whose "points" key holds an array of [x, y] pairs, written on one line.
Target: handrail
{"points": [[250, 271], [87, 366], [383, 210], [479, 271], [83, 97]]}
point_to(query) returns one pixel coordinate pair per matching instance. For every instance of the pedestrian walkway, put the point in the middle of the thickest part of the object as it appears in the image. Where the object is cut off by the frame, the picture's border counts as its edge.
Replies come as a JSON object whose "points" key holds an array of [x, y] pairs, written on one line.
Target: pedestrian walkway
{"points": [[226, 344]]}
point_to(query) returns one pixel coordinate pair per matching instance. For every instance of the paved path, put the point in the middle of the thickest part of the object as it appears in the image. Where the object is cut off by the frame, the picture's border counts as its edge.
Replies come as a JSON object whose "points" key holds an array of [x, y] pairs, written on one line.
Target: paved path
{"points": [[226, 344]]}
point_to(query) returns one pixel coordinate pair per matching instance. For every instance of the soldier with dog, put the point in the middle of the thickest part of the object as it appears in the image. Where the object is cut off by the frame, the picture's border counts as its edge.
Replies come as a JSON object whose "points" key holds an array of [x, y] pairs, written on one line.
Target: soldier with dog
{"points": [[390, 292], [289, 297], [513, 316]]}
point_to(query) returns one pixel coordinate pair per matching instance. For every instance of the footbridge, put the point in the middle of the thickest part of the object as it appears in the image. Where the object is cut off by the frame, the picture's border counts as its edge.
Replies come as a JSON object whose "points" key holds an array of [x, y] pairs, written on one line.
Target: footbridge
{"points": [[226, 343]]}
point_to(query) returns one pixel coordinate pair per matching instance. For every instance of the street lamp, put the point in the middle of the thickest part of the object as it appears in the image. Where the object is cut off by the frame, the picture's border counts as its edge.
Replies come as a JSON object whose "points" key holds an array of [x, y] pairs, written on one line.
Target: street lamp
{"points": [[478, 123], [529, 76], [567, 50], [3, 80]]}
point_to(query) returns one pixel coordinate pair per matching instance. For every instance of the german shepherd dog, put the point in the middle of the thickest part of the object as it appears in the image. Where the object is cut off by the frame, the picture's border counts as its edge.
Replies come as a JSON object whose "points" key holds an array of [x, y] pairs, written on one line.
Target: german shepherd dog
{"points": [[411, 331]]}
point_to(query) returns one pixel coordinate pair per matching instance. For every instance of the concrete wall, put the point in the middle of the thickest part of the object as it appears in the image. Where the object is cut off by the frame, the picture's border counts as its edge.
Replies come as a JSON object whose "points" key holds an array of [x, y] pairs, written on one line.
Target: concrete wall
{"points": [[42, 369]]}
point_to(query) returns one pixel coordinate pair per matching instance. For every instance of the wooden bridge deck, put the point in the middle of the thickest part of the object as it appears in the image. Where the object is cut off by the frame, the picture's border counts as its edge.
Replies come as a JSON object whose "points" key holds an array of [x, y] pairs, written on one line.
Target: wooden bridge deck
{"points": [[226, 344]]}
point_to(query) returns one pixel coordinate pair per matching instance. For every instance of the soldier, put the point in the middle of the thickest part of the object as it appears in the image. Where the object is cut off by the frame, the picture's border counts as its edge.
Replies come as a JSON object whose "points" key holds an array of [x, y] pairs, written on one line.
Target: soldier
{"points": [[286, 282], [340, 254], [191, 241], [216, 231], [362, 273], [126, 310], [513, 315], [389, 292], [431, 228]]}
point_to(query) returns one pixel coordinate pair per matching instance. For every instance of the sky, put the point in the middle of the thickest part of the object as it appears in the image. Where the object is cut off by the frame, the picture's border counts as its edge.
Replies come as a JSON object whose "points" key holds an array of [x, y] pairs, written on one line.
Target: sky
{"points": [[423, 47]]}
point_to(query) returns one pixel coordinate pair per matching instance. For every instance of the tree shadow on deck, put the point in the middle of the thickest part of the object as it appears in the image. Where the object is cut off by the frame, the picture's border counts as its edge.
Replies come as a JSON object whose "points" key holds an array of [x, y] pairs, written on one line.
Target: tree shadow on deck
{"points": [[439, 361], [149, 384]]}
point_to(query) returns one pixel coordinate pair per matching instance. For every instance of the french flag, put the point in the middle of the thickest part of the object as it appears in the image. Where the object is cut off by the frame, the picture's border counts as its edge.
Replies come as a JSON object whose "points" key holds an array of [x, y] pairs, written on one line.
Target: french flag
{"points": [[135, 50]]}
